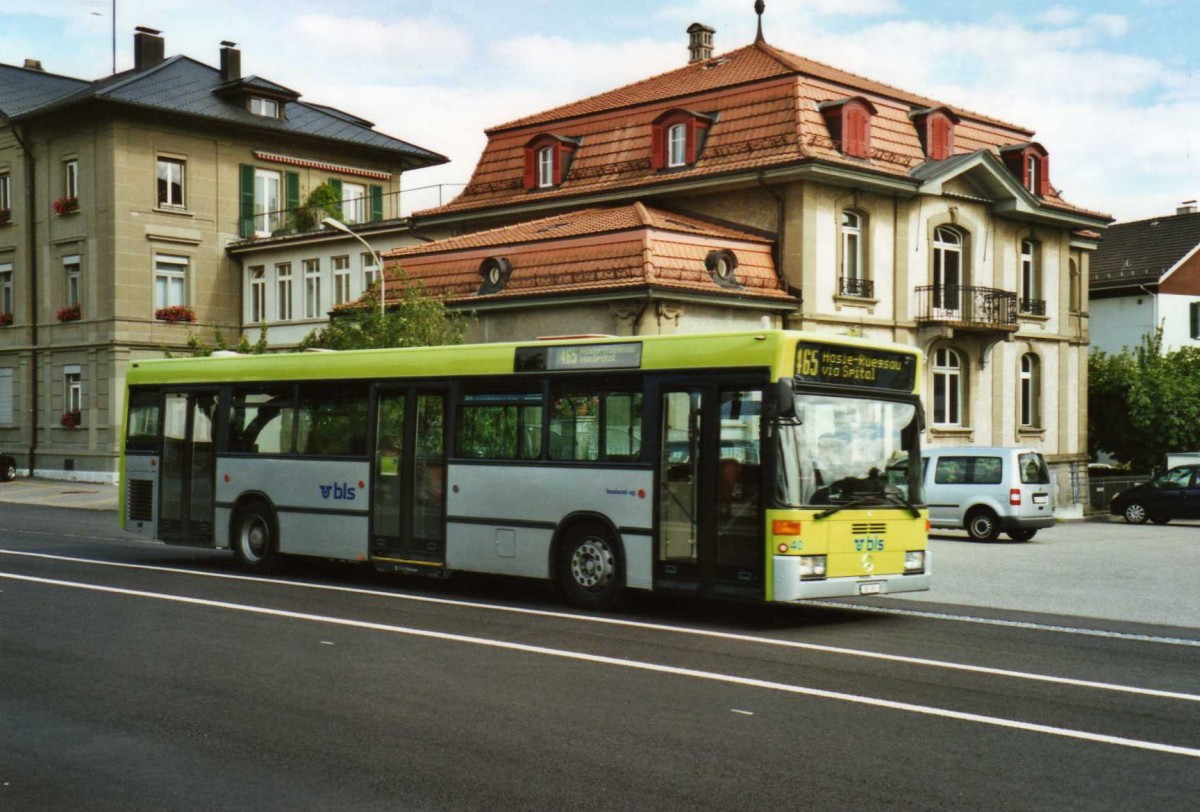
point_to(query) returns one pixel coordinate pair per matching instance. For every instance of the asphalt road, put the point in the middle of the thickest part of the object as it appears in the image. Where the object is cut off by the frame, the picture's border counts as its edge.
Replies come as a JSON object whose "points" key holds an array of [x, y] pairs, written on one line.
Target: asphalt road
{"points": [[138, 676]]}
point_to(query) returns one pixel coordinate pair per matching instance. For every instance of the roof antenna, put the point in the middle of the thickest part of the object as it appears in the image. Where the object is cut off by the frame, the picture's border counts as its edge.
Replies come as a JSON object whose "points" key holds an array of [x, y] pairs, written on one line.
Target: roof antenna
{"points": [[759, 8]]}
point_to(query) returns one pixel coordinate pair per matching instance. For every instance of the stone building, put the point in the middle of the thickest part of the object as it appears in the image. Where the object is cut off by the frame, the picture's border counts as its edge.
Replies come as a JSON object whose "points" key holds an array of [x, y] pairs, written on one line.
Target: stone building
{"points": [[118, 199], [885, 214]]}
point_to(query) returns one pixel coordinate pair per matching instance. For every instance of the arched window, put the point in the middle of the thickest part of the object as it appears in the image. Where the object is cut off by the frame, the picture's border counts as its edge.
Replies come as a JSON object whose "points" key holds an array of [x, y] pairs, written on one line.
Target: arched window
{"points": [[947, 270], [545, 167], [1033, 165], [1031, 386], [1031, 301], [677, 145], [947, 387], [853, 280]]}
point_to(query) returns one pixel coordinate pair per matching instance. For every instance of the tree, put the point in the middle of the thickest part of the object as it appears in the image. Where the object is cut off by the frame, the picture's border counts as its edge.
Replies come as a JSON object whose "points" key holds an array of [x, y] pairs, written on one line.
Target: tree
{"points": [[414, 319], [199, 348], [1144, 403], [324, 200]]}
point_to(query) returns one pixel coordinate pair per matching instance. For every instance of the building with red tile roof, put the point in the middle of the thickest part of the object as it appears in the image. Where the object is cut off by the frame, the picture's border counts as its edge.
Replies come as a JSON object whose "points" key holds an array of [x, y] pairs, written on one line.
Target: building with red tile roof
{"points": [[847, 205]]}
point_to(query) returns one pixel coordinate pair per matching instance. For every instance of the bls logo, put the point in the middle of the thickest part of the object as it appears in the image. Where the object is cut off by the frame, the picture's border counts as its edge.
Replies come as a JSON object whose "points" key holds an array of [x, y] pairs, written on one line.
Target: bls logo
{"points": [[869, 544], [338, 490]]}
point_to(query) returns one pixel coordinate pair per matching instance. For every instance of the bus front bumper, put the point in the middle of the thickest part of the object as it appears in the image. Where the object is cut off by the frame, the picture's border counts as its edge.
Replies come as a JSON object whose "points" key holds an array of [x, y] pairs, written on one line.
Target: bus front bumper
{"points": [[789, 587]]}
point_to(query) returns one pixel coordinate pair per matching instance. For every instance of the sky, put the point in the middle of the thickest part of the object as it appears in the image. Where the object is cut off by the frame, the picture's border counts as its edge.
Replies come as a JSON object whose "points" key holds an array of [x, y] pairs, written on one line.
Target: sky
{"points": [[1111, 87]]}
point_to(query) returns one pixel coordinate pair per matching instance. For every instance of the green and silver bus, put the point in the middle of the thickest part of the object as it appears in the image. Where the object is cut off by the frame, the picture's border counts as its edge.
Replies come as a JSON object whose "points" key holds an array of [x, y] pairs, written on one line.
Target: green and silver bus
{"points": [[745, 465]]}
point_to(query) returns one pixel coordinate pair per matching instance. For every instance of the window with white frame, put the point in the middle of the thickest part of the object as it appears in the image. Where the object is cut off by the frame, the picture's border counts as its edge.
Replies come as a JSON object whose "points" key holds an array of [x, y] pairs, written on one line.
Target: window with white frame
{"points": [[341, 280], [354, 203], [545, 167], [73, 389], [170, 280], [264, 107], [370, 270], [7, 406], [1032, 164], [5, 196], [947, 270], [312, 288], [73, 281], [258, 293], [6, 290], [947, 388], [268, 205], [677, 145], [1031, 301], [853, 281], [71, 178], [1031, 407], [283, 291], [170, 183]]}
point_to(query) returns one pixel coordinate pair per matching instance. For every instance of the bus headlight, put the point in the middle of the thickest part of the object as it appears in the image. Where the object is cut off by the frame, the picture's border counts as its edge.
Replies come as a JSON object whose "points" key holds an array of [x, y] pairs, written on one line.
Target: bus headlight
{"points": [[812, 566], [914, 561]]}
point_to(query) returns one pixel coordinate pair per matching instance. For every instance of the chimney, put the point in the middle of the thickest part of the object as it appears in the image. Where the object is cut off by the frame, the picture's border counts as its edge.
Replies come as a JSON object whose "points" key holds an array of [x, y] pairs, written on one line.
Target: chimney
{"points": [[148, 48], [231, 62], [1186, 207], [34, 64], [700, 42]]}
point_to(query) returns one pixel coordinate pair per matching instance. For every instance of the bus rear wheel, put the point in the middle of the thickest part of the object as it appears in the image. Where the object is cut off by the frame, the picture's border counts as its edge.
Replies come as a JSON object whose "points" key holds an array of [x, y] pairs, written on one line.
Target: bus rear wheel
{"points": [[589, 568], [255, 537]]}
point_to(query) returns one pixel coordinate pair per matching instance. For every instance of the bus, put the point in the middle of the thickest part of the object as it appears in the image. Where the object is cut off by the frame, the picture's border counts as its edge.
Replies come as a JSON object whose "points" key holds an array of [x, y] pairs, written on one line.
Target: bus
{"points": [[745, 465]]}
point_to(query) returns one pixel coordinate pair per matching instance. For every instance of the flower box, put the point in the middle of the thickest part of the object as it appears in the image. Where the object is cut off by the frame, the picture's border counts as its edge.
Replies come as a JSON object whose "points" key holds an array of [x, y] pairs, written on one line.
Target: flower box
{"points": [[66, 205], [69, 313], [176, 313], [5, 319], [71, 419]]}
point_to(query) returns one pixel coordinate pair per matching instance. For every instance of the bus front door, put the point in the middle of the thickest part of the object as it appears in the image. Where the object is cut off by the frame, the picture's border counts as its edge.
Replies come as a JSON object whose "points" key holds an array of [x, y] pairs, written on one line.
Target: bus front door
{"points": [[710, 514], [188, 470], [408, 505]]}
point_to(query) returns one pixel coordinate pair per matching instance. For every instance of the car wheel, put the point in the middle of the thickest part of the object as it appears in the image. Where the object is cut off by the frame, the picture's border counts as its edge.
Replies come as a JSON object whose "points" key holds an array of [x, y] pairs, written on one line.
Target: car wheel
{"points": [[1135, 513], [589, 567], [255, 537], [8, 471], [1021, 535], [1159, 519], [982, 525]]}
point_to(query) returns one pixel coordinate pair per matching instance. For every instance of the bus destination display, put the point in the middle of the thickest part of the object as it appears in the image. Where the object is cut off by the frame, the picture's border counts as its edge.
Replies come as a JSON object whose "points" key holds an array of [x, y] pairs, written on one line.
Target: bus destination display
{"points": [[627, 355], [845, 365]]}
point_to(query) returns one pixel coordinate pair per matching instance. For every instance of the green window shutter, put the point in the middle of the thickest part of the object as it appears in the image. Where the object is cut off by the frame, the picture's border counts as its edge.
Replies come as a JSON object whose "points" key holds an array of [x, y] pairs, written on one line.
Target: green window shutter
{"points": [[292, 190], [246, 219], [376, 203]]}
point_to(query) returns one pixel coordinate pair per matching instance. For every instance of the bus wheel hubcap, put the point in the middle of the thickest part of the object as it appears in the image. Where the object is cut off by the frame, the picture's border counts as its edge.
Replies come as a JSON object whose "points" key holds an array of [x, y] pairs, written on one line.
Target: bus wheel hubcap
{"points": [[255, 539], [592, 564]]}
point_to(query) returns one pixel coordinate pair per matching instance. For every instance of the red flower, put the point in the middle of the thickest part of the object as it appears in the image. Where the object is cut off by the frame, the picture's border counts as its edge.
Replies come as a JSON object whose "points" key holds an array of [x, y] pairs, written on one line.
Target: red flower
{"points": [[70, 313], [175, 313], [65, 205]]}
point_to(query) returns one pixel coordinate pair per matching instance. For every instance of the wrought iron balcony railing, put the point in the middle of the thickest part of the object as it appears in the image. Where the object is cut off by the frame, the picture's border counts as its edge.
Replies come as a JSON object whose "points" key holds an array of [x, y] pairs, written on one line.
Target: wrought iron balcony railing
{"points": [[967, 306], [852, 286]]}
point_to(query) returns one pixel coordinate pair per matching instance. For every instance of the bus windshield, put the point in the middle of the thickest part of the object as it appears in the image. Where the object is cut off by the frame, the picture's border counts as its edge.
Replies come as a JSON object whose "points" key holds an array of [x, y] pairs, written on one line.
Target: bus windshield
{"points": [[837, 450]]}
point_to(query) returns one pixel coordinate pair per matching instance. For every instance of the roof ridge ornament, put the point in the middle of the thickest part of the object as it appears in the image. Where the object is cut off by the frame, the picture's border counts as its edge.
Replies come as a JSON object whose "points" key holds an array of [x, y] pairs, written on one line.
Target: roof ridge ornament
{"points": [[759, 8]]}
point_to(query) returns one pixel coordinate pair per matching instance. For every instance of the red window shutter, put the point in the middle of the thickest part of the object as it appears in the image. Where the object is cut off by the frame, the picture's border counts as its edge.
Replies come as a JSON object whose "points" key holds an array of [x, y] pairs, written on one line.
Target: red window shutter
{"points": [[857, 134], [689, 154], [1044, 175], [658, 146], [530, 167], [940, 149], [556, 154]]}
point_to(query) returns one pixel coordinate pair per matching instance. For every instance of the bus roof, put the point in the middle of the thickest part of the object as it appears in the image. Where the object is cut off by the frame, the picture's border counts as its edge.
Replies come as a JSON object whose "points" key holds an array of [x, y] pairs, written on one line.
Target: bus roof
{"points": [[774, 349]]}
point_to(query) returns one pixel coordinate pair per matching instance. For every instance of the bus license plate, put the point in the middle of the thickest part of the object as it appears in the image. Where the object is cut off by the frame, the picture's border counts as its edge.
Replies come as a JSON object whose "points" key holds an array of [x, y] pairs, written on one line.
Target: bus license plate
{"points": [[870, 589]]}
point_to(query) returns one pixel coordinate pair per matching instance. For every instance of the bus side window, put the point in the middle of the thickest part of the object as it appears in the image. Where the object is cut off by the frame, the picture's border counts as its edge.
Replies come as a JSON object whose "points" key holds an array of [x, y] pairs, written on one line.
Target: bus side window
{"points": [[332, 423], [500, 431], [260, 421]]}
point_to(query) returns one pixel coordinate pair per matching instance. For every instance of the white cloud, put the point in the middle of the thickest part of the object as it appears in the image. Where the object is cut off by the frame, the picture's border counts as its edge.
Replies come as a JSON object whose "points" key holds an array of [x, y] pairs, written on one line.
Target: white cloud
{"points": [[411, 46], [1113, 24], [1058, 16]]}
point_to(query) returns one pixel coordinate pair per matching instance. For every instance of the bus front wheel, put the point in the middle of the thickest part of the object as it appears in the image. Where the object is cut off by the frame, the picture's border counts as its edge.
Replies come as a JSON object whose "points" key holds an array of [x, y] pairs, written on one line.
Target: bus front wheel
{"points": [[255, 538], [589, 569]]}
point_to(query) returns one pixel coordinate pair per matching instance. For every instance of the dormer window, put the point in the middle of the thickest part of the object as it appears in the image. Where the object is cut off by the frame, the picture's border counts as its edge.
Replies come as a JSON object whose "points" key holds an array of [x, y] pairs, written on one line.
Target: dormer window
{"points": [[494, 273], [677, 138], [548, 160], [849, 123], [268, 108], [1030, 164], [935, 129], [722, 266]]}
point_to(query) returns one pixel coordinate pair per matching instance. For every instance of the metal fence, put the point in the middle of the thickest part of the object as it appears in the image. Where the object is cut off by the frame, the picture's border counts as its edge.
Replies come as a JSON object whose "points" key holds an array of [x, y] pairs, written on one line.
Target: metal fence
{"points": [[1101, 489]]}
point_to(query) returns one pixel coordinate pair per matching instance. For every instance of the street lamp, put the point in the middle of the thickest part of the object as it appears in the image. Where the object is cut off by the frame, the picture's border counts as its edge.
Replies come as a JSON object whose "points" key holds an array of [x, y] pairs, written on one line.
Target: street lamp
{"points": [[340, 226]]}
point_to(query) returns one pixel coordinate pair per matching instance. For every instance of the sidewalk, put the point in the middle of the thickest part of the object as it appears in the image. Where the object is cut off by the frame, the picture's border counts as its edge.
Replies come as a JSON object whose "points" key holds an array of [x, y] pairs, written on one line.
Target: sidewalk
{"points": [[59, 493]]}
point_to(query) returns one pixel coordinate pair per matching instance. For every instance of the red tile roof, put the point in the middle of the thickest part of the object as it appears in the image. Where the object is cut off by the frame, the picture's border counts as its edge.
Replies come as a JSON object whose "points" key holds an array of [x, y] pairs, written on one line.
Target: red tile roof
{"points": [[626, 248], [766, 101]]}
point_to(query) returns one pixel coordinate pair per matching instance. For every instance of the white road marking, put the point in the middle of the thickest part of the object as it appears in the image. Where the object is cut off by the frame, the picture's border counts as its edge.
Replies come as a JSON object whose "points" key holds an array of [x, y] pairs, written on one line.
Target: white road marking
{"points": [[636, 624], [730, 679]]}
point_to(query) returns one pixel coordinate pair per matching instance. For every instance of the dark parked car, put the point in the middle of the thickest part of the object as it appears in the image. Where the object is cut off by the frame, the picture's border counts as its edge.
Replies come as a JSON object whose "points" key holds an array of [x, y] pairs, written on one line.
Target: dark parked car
{"points": [[1174, 495], [8, 468]]}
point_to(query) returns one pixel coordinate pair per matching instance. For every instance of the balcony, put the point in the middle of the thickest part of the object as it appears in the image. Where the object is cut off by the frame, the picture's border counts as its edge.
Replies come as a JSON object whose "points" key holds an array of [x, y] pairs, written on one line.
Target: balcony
{"points": [[856, 288], [968, 307]]}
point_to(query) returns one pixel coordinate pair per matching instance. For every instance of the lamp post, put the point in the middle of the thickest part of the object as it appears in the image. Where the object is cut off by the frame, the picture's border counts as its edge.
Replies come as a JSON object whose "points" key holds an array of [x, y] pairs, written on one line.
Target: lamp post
{"points": [[340, 226]]}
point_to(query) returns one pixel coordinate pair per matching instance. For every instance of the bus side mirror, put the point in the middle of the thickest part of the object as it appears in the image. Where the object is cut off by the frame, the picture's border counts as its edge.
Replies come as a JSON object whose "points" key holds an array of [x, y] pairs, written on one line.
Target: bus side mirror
{"points": [[785, 399]]}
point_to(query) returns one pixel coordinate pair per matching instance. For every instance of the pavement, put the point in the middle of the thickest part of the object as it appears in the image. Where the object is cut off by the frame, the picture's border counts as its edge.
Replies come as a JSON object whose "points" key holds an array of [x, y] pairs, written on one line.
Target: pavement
{"points": [[59, 493]]}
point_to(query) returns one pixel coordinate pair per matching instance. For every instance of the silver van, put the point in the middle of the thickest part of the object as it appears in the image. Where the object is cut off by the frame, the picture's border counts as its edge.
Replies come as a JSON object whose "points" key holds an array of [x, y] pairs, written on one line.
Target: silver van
{"points": [[985, 490]]}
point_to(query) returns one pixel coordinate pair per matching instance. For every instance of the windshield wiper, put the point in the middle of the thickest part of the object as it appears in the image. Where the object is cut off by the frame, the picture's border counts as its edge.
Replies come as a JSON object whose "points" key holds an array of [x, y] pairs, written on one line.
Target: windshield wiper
{"points": [[894, 498]]}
